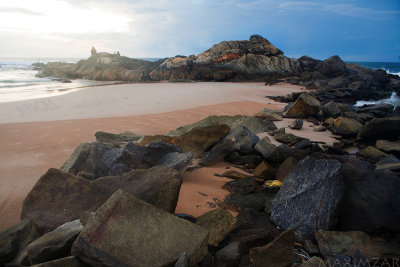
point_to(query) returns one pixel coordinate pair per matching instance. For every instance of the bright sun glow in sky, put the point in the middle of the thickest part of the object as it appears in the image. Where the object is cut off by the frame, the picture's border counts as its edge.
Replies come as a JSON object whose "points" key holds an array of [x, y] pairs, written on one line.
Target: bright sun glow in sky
{"points": [[44, 16], [365, 30]]}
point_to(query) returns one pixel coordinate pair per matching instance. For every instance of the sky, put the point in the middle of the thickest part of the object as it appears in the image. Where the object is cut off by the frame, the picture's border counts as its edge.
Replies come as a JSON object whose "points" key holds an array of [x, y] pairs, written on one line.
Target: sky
{"points": [[356, 30]]}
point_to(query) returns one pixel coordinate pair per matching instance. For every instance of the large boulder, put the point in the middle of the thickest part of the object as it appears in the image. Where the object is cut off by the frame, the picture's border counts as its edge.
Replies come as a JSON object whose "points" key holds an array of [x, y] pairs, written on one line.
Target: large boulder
{"points": [[93, 160], [332, 67], [54, 245], [59, 197], [348, 243], [116, 140], [310, 197], [305, 106], [126, 231], [381, 128], [372, 200], [254, 124]]}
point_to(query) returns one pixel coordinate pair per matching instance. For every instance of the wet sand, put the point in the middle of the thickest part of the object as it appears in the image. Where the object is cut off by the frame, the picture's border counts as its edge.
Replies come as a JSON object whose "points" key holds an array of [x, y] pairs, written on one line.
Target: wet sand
{"points": [[35, 136]]}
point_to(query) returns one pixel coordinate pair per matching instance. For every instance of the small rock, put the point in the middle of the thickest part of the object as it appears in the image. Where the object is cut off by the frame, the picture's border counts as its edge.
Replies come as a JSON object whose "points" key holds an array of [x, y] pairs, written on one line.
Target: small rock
{"points": [[371, 154], [219, 222], [269, 114], [255, 201], [287, 138], [234, 174], [266, 149], [296, 124], [264, 170], [303, 144], [241, 186], [319, 129], [305, 105], [277, 253]]}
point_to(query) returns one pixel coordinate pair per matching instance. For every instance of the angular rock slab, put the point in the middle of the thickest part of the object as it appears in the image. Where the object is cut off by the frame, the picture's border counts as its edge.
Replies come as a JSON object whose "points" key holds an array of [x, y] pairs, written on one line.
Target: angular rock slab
{"points": [[93, 160], [310, 197], [126, 231], [219, 223], [305, 105], [59, 197], [55, 244]]}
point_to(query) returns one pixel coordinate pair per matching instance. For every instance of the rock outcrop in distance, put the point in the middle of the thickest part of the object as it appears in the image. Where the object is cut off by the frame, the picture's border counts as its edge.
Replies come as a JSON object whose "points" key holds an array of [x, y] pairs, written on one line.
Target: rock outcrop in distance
{"points": [[254, 59]]}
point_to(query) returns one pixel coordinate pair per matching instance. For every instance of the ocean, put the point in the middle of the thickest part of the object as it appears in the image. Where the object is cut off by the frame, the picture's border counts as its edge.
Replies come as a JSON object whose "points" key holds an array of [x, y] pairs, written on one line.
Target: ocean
{"points": [[18, 81]]}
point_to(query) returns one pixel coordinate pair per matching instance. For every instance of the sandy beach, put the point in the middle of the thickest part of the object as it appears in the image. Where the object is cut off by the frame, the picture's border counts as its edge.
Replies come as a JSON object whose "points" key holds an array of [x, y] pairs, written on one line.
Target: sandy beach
{"points": [[42, 133]]}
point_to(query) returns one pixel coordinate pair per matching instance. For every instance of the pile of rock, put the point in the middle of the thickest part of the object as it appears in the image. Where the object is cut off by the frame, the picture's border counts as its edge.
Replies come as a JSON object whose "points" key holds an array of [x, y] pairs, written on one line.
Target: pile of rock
{"points": [[112, 203]]}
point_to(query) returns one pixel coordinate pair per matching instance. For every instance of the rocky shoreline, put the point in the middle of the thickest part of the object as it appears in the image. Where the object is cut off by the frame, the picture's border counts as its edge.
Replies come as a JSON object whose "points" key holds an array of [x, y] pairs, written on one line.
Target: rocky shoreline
{"points": [[299, 203]]}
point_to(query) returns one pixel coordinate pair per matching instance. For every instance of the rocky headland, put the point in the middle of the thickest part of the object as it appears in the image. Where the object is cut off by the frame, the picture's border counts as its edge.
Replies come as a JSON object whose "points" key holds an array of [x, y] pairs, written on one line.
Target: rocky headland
{"points": [[299, 202]]}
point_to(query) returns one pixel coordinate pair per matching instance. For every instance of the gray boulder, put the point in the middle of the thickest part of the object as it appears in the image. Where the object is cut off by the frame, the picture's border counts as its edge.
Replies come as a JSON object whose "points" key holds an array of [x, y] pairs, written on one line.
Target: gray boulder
{"points": [[93, 160], [310, 197], [116, 140], [267, 150], [54, 245], [74, 198], [126, 231]]}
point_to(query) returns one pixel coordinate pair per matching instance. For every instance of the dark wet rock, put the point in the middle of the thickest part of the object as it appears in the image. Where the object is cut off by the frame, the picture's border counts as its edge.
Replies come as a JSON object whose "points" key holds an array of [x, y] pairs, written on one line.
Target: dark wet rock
{"points": [[347, 243], [388, 163], [381, 128], [244, 138], [218, 152], [159, 186], [265, 170], [254, 124], [255, 201], [378, 109], [296, 124], [371, 203], [285, 152], [92, 160], [128, 231], [305, 105], [346, 126], [241, 186], [267, 150], [197, 140], [280, 131], [277, 253], [16, 238], [303, 144], [310, 197], [287, 138], [229, 255], [253, 219], [270, 114], [218, 222], [285, 168], [389, 147], [116, 140], [331, 110], [70, 261], [239, 139], [251, 160], [371, 154], [332, 67], [54, 245]]}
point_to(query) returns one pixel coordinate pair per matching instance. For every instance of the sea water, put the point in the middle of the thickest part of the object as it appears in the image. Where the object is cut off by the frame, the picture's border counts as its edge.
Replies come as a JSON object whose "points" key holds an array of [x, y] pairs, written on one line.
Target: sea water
{"points": [[18, 81]]}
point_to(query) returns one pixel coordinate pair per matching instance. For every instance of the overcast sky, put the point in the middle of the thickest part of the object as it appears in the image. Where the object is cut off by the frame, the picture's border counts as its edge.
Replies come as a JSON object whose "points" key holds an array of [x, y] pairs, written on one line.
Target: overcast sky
{"points": [[365, 30]]}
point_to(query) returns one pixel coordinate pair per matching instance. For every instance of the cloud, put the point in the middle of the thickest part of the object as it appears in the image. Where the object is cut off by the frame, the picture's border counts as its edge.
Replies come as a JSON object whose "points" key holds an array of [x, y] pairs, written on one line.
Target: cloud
{"points": [[20, 10]]}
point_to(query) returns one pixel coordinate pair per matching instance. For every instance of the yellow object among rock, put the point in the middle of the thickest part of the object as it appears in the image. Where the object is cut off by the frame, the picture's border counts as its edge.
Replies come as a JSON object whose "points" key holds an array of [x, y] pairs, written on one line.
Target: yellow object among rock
{"points": [[273, 183]]}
